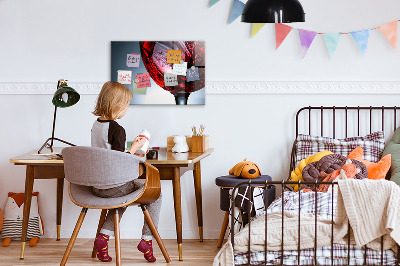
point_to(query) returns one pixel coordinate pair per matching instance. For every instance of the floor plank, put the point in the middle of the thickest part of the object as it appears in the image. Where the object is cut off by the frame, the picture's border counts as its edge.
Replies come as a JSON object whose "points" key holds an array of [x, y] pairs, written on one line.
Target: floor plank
{"points": [[50, 252]]}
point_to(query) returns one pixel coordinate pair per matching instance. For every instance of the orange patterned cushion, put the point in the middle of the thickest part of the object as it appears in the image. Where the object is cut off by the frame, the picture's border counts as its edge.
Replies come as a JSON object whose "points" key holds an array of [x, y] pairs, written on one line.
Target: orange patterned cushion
{"points": [[375, 170]]}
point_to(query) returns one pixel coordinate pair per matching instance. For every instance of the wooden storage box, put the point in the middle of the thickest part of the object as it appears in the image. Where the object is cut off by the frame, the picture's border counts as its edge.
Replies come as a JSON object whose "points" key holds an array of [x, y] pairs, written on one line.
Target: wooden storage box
{"points": [[171, 143], [200, 143]]}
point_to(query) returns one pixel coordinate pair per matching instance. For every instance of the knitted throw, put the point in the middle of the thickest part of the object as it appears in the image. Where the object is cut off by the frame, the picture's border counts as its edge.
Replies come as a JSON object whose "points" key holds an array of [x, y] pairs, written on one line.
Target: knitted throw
{"points": [[373, 209]]}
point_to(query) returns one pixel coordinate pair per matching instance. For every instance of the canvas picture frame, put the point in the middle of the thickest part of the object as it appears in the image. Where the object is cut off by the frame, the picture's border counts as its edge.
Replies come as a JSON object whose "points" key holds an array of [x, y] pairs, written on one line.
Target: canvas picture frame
{"points": [[160, 72]]}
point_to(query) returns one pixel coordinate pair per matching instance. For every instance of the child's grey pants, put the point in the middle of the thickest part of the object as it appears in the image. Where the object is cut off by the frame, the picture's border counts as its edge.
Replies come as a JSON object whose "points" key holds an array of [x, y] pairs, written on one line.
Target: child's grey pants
{"points": [[154, 208]]}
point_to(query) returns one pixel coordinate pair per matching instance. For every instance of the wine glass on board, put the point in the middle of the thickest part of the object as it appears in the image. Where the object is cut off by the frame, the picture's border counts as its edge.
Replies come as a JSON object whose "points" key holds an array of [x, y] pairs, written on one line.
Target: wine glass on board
{"points": [[154, 56]]}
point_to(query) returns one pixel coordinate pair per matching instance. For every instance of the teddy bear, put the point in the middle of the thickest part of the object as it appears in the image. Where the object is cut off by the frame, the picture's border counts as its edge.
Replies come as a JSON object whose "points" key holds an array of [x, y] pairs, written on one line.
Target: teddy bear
{"points": [[13, 215], [180, 144], [245, 169]]}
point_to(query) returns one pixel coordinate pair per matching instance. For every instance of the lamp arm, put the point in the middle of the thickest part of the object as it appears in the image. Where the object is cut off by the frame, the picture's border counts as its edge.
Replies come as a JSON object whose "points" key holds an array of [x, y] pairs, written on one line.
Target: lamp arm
{"points": [[54, 119], [54, 126]]}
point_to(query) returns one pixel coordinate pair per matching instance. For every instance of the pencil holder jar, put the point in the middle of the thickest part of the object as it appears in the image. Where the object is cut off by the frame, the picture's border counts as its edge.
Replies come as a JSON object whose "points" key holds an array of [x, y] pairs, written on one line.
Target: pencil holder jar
{"points": [[200, 143]]}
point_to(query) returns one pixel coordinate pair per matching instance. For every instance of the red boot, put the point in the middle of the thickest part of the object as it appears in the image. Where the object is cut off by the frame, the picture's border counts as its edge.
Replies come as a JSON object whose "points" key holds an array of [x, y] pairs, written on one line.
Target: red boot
{"points": [[146, 247], [101, 245]]}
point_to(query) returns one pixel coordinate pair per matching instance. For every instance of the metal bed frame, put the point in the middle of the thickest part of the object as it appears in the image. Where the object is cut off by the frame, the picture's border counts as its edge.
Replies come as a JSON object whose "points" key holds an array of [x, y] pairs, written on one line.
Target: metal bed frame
{"points": [[283, 184]]}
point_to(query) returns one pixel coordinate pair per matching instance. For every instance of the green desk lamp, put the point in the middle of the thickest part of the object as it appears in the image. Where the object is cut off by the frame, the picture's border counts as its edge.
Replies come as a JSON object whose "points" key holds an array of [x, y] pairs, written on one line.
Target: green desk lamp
{"points": [[65, 96]]}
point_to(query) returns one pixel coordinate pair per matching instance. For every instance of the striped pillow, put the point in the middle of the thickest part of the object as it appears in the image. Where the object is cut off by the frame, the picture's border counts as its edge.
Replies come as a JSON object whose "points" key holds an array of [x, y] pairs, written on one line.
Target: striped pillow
{"points": [[13, 228], [372, 145]]}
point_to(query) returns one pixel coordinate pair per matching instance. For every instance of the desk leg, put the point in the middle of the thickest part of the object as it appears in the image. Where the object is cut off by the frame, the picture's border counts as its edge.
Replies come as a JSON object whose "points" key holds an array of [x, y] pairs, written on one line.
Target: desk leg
{"points": [[27, 206], [60, 190], [176, 182], [199, 204]]}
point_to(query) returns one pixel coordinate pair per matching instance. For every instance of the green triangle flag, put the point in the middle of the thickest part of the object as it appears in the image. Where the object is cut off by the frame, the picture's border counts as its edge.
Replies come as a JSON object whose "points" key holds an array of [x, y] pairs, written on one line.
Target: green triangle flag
{"points": [[256, 27], [332, 41], [213, 2]]}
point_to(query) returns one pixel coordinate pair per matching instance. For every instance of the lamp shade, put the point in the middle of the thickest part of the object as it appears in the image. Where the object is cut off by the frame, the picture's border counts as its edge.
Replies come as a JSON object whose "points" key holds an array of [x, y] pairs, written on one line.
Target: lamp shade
{"points": [[65, 96], [273, 11]]}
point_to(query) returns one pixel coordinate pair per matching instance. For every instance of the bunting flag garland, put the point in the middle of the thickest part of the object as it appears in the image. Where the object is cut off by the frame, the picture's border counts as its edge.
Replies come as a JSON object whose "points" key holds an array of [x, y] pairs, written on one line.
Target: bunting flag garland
{"points": [[306, 39], [281, 31], [213, 2], [361, 37], [237, 9], [389, 30], [256, 27], [332, 41]]}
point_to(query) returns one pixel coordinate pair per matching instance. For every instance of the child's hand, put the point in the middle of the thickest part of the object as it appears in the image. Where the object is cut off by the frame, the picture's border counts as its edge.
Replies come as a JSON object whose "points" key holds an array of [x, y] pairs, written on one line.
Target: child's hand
{"points": [[143, 155], [137, 144]]}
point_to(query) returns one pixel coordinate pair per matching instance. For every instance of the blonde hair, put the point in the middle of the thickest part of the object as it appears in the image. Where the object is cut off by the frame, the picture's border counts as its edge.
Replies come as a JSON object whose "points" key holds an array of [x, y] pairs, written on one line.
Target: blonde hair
{"points": [[112, 99]]}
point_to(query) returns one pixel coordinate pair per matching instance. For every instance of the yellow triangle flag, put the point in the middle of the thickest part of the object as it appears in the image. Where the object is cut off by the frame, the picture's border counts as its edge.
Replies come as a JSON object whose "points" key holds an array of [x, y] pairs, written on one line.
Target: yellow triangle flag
{"points": [[256, 27]]}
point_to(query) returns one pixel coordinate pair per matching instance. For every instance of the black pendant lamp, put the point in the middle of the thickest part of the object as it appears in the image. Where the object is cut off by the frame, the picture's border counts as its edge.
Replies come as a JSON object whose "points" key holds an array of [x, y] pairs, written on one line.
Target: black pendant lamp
{"points": [[273, 11]]}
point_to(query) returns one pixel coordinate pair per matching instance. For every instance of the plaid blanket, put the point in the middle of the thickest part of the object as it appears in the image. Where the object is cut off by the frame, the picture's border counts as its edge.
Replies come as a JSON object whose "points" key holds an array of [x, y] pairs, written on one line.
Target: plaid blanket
{"points": [[306, 201], [323, 205], [372, 145], [340, 254]]}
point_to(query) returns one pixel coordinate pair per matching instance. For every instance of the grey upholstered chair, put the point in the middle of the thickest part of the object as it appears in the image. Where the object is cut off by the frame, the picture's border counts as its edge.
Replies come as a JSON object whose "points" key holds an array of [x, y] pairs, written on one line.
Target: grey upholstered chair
{"points": [[85, 167]]}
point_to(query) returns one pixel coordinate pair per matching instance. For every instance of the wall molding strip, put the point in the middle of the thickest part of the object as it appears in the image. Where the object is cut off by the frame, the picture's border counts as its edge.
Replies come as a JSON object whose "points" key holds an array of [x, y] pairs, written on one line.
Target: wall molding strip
{"points": [[231, 87]]}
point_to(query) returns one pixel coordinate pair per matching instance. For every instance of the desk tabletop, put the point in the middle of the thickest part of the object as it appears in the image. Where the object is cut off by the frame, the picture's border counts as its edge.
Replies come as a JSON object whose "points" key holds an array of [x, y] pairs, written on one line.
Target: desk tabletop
{"points": [[168, 157], [164, 157]]}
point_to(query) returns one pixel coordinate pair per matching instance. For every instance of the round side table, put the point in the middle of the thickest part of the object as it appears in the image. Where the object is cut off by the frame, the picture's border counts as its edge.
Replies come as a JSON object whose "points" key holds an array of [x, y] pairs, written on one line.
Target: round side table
{"points": [[226, 183]]}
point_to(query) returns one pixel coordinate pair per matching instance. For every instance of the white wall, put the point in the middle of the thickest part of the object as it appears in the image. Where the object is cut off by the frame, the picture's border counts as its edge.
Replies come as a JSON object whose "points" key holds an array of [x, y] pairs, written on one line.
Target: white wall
{"points": [[42, 41]]}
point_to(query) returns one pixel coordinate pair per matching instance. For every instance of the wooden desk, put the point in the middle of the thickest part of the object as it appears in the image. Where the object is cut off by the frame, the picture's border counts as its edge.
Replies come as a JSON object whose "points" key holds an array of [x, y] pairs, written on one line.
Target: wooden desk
{"points": [[171, 167], [40, 167]]}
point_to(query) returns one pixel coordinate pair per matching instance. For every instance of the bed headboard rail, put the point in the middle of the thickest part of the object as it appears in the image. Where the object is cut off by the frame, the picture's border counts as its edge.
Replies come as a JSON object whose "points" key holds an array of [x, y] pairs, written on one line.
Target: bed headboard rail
{"points": [[343, 122], [346, 116]]}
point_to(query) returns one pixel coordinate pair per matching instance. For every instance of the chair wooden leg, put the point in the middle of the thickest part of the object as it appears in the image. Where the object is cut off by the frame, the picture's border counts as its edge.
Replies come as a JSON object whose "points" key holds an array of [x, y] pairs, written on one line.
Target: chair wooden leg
{"points": [[101, 222], [73, 237], [117, 239], [223, 229], [154, 230]]}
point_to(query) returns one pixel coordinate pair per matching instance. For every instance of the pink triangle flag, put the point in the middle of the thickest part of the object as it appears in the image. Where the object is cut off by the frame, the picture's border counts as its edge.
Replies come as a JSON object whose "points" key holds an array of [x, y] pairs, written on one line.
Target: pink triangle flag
{"points": [[306, 39], [389, 30], [281, 31]]}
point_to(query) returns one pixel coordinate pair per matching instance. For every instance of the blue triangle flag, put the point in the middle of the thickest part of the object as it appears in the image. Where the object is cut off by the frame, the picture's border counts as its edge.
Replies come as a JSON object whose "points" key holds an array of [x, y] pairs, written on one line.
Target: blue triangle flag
{"points": [[332, 41], [213, 2], [237, 9], [361, 37]]}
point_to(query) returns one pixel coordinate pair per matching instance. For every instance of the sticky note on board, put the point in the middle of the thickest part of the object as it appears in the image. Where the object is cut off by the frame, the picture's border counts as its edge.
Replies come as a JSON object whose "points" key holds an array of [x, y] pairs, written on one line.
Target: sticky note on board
{"points": [[180, 69], [136, 90], [170, 79], [125, 76], [173, 56], [192, 74], [144, 80], [132, 60]]}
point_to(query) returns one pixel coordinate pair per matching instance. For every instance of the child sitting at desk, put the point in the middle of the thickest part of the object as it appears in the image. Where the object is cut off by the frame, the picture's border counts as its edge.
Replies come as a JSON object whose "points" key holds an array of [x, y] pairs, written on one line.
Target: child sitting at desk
{"points": [[112, 103]]}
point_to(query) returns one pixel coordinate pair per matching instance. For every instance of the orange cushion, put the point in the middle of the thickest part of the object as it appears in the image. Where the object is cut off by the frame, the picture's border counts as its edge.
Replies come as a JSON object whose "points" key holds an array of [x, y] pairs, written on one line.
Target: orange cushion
{"points": [[375, 170]]}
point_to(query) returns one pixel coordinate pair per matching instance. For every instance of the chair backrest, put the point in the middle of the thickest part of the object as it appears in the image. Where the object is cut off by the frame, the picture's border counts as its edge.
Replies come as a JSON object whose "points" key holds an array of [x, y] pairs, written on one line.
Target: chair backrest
{"points": [[92, 166]]}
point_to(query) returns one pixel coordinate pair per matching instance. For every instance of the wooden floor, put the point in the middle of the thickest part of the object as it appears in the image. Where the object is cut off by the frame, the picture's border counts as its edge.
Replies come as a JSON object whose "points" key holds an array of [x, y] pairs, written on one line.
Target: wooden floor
{"points": [[50, 252]]}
